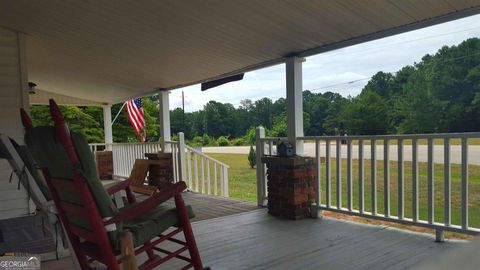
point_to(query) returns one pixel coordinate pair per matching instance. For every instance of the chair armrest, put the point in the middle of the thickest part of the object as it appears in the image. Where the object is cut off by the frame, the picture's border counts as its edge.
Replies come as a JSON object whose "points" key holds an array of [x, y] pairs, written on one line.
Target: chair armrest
{"points": [[119, 186], [147, 205], [124, 185]]}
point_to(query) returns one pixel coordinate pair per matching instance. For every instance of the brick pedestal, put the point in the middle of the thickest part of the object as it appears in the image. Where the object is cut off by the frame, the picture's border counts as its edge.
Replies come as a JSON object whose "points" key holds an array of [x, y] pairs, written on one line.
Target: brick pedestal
{"points": [[104, 160], [291, 186], [161, 171]]}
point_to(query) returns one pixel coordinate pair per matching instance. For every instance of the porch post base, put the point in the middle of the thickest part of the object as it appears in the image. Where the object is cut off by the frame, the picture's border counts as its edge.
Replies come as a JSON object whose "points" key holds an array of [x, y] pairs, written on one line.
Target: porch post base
{"points": [[291, 186], [439, 236], [315, 211], [265, 202]]}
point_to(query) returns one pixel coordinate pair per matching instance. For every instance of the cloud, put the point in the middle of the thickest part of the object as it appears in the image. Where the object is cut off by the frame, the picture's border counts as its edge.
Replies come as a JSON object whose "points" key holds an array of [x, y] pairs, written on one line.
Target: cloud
{"points": [[334, 71]]}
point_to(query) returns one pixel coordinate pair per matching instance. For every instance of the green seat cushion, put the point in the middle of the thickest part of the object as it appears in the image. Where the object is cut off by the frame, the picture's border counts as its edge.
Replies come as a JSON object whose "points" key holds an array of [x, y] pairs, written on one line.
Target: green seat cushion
{"points": [[29, 162], [148, 226], [50, 153], [89, 170]]}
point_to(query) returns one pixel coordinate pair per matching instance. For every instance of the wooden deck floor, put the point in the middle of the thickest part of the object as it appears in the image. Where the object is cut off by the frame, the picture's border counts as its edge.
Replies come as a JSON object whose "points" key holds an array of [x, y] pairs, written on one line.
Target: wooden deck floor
{"points": [[26, 234], [256, 240], [208, 207]]}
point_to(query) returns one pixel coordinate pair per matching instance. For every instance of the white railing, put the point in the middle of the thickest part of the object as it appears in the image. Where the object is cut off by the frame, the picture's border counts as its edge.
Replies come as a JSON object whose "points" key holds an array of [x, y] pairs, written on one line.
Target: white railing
{"points": [[419, 153], [263, 147], [214, 182], [94, 147], [210, 178], [125, 154]]}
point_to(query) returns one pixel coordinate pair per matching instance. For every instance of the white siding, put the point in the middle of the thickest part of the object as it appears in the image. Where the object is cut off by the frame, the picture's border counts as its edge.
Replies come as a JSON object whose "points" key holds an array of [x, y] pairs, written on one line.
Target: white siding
{"points": [[13, 202]]}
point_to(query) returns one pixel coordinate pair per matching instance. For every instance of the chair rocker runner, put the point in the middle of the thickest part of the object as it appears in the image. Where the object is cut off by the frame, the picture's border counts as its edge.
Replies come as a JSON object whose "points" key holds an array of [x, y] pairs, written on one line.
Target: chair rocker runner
{"points": [[97, 229]]}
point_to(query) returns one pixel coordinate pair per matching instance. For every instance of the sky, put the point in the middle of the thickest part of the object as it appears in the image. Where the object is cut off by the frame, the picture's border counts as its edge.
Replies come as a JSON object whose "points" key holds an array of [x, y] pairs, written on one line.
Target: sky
{"points": [[344, 71]]}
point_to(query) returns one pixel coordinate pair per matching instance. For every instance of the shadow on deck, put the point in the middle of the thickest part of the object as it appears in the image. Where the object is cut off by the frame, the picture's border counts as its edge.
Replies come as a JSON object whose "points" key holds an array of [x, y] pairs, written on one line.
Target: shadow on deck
{"points": [[26, 234], [233, 234]]}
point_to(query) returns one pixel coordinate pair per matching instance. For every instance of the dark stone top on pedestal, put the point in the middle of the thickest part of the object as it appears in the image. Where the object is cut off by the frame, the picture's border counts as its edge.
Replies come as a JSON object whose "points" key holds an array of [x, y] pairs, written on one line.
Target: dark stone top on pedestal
{"points": [[287, 162], [158, 156], [160, 172]]}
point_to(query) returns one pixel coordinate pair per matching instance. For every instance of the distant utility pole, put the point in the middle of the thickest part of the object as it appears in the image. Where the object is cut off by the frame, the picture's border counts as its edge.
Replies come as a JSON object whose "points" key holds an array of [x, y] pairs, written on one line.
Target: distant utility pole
{"points": [[183, 109]]}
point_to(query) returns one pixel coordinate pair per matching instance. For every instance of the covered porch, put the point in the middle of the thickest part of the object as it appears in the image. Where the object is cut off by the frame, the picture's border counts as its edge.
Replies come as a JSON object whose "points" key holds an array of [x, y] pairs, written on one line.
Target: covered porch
{"points": [[256, 240], [102, 54], [27, 234]]}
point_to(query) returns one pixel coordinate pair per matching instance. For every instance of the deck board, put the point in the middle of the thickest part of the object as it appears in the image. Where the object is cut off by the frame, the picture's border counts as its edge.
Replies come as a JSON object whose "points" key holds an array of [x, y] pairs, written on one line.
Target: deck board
{"points": [[25, 234], [256, 240], [208, 207]]}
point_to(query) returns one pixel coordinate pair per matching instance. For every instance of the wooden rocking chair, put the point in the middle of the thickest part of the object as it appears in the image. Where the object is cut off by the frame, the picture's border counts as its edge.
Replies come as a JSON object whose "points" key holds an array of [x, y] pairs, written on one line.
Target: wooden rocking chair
{"points": [[31, 179], [97, 229], [139, 172]]}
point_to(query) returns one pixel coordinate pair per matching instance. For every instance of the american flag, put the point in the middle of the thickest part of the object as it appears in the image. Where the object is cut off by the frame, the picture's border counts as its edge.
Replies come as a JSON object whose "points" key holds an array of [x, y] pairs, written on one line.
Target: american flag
{"points": [[135, 115]]}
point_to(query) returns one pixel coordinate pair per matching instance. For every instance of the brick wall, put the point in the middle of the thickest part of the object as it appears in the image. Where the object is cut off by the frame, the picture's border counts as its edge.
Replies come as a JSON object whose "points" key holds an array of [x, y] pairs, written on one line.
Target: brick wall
{"points": [[291, 186], [104, 160]]}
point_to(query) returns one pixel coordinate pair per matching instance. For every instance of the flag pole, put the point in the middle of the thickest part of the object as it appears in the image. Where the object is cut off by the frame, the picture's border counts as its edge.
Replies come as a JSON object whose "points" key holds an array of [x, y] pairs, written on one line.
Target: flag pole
{"points": [[119, 111]]}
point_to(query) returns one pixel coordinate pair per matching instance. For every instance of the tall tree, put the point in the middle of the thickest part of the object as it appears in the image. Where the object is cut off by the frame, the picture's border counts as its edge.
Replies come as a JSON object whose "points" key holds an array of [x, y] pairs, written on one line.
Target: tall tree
{"points": [[77, 120], [261, 113], [366, 114], [220, 119]]}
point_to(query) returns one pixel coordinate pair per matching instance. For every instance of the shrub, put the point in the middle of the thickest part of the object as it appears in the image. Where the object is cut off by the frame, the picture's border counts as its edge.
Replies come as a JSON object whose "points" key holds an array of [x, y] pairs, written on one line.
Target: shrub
{"points": [[206, 140], [250, 136], [197, 141], [238, 142], [222, 141], [213, 143], [252, 157]]}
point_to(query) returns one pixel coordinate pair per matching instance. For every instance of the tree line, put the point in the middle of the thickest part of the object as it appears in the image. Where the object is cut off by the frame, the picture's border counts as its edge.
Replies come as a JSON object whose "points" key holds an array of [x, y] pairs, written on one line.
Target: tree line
{"points": [[441, 93]]}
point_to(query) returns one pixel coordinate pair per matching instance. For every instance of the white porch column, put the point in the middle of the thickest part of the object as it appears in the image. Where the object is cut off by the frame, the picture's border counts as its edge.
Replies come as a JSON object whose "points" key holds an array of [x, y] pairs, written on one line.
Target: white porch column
{"points": [[107, 126], [164, 107], [261, 181], [294, 102], [182, 171]]}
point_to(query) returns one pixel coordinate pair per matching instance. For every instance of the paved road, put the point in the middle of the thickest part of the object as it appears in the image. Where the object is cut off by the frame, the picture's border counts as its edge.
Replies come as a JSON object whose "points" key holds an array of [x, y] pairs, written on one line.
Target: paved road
{"points": [[455, 152]]}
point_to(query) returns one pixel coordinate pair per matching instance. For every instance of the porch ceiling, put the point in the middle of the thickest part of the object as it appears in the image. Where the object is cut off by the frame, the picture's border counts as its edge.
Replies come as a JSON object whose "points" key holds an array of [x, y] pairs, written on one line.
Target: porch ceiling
{"points": [[109, 51], [41, 97]]}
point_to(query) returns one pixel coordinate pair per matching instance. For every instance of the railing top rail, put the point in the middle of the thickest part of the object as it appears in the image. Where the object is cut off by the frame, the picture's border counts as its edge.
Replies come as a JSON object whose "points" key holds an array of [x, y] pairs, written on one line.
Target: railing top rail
{"points": [[205, 156], [133, 143], [266, 139], [395, 137], [170, 142]]}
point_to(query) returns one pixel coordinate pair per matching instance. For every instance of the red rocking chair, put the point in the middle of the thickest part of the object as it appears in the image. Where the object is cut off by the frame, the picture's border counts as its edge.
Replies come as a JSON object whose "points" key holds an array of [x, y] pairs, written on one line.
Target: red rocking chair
{"points": [[97, 229]]}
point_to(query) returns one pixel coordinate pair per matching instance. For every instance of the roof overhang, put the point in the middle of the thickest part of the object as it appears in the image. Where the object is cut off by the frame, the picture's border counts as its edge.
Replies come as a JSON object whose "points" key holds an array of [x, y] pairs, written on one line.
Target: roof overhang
{"points": [[110, 51], [42, 97]]}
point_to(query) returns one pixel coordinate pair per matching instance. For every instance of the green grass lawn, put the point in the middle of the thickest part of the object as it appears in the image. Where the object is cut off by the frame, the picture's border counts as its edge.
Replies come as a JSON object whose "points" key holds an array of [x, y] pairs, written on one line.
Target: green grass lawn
{"points": [[242, 185], [242, 180]]}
